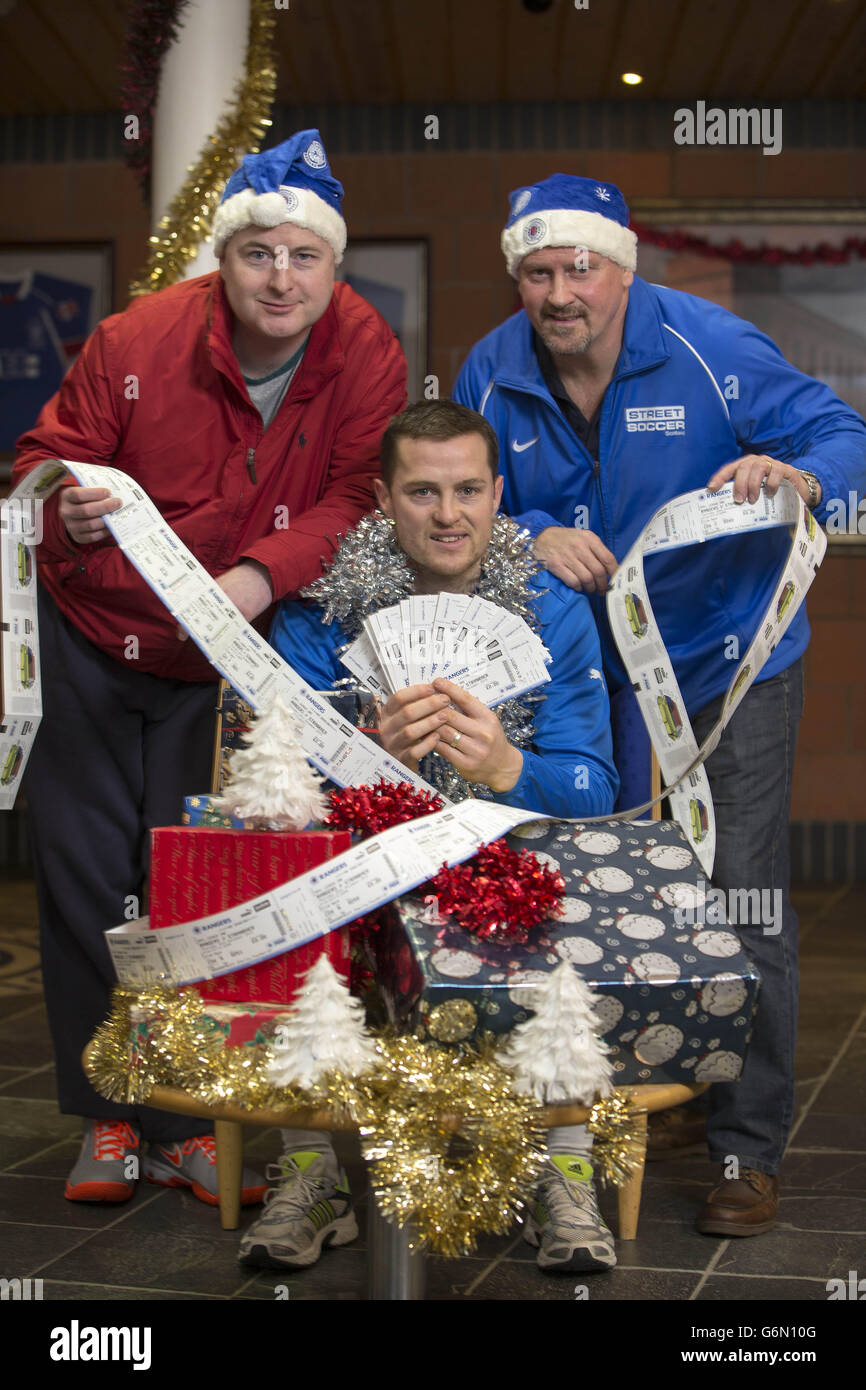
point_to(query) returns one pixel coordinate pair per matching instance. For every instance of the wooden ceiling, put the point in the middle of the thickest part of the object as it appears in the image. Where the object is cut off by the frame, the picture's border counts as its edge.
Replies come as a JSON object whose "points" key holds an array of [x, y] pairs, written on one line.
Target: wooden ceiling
{"points": [[61, 56]]}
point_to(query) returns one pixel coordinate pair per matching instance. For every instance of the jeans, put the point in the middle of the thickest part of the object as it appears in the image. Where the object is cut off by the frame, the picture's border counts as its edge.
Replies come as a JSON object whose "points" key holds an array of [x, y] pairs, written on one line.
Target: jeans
{"points": [[750, 775]]}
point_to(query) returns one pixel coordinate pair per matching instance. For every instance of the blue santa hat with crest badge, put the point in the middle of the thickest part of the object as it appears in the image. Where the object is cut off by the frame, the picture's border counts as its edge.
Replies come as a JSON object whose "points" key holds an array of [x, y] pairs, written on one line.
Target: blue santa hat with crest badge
{"points": [[564, 210], [290, 183]]}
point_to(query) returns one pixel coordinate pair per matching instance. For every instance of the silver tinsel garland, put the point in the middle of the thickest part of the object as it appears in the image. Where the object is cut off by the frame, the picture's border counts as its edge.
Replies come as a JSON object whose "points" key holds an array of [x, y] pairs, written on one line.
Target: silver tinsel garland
{"points": [[371, 571]]}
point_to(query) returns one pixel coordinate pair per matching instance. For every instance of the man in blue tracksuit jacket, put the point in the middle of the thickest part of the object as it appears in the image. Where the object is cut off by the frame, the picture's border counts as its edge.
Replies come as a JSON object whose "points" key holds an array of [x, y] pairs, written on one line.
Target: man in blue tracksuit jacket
{"points": [[610, 396], [440, 492]]}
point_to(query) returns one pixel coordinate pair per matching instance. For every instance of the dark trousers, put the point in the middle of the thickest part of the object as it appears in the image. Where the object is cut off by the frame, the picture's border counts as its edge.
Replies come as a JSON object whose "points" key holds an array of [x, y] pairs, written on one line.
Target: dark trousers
{"points": [[116, 752], [750, 776]]}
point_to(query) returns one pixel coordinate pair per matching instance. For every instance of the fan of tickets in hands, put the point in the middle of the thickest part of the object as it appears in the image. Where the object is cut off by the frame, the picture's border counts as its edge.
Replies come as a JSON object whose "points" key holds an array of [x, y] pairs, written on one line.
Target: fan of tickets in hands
{"points": [[469, 640]]}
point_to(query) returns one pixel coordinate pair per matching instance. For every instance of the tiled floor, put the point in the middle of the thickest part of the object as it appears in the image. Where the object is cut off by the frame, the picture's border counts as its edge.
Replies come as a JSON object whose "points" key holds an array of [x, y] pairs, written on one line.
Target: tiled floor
{"points": [[165, 1245]]}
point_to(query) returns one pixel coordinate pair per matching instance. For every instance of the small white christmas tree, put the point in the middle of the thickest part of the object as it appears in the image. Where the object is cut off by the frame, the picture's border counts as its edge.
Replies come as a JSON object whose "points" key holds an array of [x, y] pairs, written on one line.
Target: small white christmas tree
{"points": [[271, 785], [557, 1055], [324, 1032]]}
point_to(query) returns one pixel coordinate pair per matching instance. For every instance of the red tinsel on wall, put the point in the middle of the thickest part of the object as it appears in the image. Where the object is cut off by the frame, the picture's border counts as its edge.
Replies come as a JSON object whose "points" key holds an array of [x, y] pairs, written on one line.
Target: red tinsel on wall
{"points": [[852, 248], [151, 29]]}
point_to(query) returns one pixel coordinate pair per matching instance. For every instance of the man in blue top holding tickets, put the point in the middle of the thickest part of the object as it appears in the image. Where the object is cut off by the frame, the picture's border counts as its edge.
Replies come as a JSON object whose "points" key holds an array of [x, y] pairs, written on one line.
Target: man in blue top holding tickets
{"points": [[609, 397], [438, 532]]}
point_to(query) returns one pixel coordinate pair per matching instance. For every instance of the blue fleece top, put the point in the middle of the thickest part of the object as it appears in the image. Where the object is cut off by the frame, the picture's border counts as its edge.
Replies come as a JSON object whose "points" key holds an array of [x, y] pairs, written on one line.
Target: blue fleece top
{"points": [[569, 769], [694, 388]]}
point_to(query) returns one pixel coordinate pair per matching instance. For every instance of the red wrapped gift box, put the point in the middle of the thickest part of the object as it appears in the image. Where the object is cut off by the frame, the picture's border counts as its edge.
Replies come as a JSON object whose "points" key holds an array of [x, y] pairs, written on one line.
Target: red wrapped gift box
{"points": [[196, 870]]}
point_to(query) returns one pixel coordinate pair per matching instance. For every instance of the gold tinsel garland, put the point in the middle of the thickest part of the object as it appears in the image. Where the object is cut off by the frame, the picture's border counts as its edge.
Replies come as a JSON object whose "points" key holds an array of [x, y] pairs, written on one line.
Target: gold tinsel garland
{"points": [[175, 1044], [453, 1149], [239, 132], [448, 1179], [619, 1145]]}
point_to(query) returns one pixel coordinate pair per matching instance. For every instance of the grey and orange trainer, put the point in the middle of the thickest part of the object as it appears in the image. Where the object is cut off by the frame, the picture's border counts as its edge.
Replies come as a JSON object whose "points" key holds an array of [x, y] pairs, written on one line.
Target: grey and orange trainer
{"points": [[107, 1167], [192, 1163]]}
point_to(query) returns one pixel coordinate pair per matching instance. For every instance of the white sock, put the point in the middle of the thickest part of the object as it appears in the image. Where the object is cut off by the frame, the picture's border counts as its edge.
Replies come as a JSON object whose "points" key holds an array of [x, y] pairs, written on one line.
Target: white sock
{"points": [[570, 1139]]}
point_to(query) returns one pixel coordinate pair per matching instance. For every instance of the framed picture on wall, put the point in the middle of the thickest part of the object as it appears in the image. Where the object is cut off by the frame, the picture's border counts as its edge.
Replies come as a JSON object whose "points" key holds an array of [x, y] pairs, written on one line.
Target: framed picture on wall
{"points": [[52, 295], [392, 275], [815, 313]]}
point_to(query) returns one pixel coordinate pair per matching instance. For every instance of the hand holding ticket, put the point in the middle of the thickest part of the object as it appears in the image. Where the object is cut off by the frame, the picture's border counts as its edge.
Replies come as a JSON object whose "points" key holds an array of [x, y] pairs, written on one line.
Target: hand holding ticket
{"points": [[472, 739], [410, 722], [754, 473], [82, 510]]}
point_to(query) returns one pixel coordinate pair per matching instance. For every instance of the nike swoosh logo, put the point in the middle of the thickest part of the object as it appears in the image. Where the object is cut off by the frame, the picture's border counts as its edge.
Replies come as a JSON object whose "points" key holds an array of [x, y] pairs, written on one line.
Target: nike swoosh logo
{"points": [[518, 448]]}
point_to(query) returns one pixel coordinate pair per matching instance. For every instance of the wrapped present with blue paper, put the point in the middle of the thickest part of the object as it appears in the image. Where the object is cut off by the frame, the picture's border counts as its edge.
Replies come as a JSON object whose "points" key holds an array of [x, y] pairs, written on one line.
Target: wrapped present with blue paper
{"points": [[677, 991], [206, 810]]}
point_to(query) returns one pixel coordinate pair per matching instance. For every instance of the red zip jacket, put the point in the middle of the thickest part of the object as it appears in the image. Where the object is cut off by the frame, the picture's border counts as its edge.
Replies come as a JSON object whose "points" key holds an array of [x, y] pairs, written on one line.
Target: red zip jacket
{"points": [[157, 391]]}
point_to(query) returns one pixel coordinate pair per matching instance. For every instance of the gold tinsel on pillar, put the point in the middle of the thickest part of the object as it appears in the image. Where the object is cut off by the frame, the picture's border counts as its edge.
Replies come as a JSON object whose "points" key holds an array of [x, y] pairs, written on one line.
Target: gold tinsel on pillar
{"points": [[239, 132]]}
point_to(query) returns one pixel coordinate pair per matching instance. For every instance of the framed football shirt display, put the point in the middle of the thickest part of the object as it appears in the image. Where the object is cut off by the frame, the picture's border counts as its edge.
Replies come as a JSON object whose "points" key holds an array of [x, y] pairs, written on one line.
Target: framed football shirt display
{"points": [[52, 296]]}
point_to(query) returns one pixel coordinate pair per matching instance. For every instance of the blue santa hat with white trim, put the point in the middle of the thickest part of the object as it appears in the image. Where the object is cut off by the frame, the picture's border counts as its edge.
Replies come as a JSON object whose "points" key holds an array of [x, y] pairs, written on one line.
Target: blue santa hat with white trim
{"points": [[290, 183], [564, 210]]}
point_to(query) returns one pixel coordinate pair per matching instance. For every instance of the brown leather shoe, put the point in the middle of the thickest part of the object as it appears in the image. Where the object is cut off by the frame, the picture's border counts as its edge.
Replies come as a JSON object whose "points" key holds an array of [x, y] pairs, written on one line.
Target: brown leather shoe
{"points": [[743, 1206]]}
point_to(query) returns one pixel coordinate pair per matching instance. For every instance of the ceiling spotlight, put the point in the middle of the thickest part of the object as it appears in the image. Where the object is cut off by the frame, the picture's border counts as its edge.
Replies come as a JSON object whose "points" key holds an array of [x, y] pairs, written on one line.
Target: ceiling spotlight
{"points": [[631, 79]]}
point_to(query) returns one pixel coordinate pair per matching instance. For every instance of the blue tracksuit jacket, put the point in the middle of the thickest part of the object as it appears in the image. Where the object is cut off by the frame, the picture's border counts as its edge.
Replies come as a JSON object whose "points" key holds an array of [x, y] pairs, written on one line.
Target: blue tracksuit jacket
{"points": [[694, 388], [569, 770]]}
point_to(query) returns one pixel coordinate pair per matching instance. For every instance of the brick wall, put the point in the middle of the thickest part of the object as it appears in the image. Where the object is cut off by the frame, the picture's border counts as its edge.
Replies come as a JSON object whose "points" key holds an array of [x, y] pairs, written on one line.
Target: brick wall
{"points": [[86, 201], [830, 777]]}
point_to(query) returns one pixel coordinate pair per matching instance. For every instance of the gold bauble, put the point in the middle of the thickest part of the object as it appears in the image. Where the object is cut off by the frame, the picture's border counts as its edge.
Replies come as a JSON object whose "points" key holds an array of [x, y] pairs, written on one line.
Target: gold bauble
{"points": [[452, 1021]]}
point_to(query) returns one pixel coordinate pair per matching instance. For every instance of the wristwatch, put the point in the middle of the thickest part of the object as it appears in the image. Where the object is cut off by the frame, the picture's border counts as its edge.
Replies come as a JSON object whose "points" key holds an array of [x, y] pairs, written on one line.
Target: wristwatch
{"points": [[814, 488]]}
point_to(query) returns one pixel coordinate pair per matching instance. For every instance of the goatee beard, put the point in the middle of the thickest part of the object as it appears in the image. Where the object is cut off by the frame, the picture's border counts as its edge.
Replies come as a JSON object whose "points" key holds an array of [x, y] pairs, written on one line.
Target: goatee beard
{"points": [[565, 347]]}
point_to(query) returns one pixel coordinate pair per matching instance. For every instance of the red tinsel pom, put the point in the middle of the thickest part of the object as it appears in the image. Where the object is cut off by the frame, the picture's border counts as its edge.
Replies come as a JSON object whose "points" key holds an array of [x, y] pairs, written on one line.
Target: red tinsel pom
{"points": [[367, 810], [500, 894]]}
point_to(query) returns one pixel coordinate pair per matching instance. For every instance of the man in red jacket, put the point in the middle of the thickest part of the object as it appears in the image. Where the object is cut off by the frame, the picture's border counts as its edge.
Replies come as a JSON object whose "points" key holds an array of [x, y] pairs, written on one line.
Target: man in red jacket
{"points": [[249, 405]]}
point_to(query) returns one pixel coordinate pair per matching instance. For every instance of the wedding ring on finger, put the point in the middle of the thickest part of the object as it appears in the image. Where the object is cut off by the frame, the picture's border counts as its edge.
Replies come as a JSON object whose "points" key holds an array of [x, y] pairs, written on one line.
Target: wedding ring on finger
{"points": [[456, 739]]}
